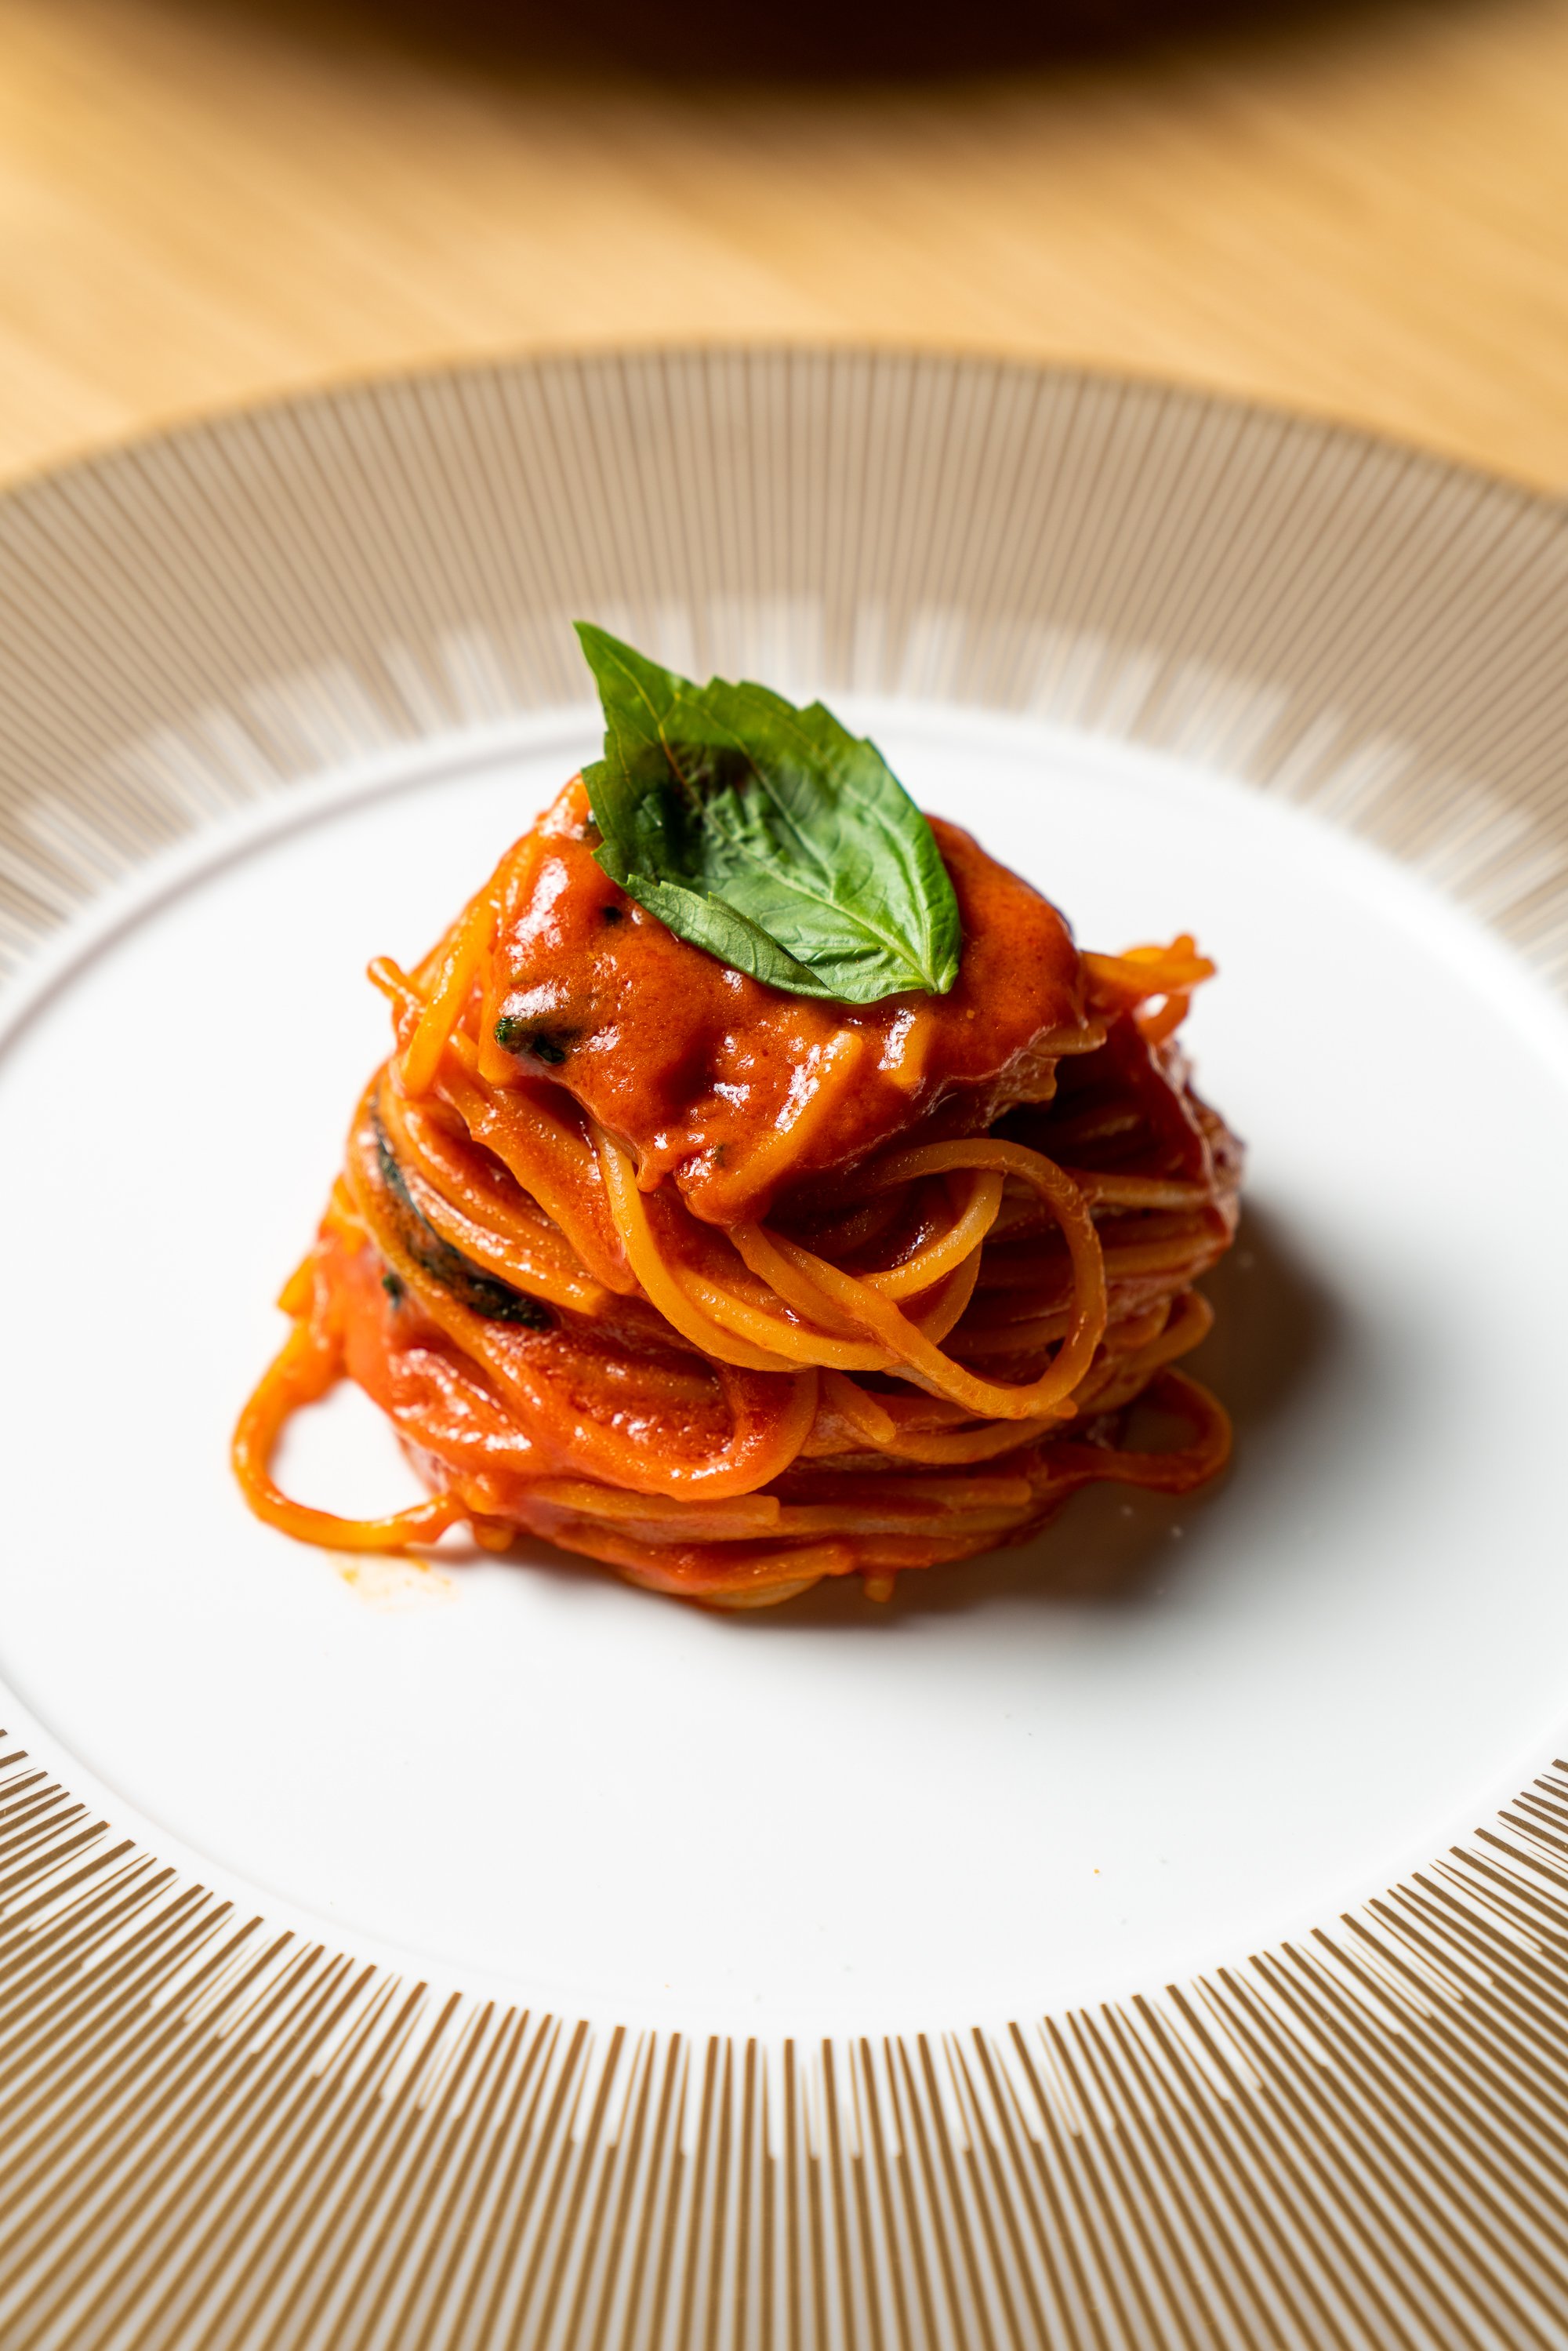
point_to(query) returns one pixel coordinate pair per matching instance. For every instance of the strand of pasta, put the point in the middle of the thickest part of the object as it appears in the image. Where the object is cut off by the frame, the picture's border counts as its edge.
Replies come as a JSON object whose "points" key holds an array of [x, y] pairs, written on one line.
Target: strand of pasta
{"points": [[902, 1506], [739, 1516], [307, 1364], [657, 1277], [1177, 1471], [881, 1431], [1139, 973], [876, 1543], [1124, 1260], [828, 1082], [544, 1157], [520, 1244], [943, 1527], [738, 1468], [1025, 1336], [804, 1345], [557, 1167], [494, 1064], [1169, 974], [767, 1334], [471, 942], [1118, 1378], [946, 1301], [1131, 1369], [944, 1509], [865, 1222], [786, 1264], [950, 1249], [1137, 1191], [763, 1580], [456, 964], [734, 1330]]}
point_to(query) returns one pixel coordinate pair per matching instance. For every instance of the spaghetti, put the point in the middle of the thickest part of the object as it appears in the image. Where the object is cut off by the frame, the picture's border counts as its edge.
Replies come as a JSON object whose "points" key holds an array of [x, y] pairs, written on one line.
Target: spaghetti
{"points": [[735, 1290]]}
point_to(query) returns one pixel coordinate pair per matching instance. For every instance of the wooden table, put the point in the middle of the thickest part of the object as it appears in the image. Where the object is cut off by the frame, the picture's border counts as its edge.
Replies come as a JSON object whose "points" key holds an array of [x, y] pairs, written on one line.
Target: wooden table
{"points": [[1367, 217]]}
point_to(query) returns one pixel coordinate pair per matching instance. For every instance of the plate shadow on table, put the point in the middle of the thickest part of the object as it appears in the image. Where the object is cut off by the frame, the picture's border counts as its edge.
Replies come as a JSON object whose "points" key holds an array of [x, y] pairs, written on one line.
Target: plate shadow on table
{"points": [[1278, 1330]]}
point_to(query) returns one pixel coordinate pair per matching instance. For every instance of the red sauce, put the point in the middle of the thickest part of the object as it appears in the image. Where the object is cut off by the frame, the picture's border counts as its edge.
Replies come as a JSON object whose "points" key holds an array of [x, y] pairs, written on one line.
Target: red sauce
{"points": [[736, 1091]]}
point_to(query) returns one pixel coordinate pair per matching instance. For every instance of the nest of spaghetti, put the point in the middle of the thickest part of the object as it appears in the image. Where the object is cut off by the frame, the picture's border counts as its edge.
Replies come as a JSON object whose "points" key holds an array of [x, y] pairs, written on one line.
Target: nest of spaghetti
{"points": [[733, 1291]]}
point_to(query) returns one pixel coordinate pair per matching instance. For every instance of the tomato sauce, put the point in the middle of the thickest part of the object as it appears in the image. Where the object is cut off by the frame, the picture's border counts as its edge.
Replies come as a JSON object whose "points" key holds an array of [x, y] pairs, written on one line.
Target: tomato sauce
{"points": [[734, 1091]]}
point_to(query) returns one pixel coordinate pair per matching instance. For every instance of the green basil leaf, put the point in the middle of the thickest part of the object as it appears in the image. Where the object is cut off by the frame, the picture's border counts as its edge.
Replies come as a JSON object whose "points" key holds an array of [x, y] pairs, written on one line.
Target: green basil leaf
{"points": [[769, 835]]}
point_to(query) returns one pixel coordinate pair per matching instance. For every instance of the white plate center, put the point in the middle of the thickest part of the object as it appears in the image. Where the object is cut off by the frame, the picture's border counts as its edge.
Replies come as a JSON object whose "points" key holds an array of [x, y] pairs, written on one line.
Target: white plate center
{"points": [[1163, 1734]]}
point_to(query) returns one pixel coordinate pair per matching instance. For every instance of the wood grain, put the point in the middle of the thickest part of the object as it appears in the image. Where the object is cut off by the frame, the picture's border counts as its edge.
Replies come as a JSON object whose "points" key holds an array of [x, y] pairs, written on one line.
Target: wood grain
{"points": [[1366, 216]]}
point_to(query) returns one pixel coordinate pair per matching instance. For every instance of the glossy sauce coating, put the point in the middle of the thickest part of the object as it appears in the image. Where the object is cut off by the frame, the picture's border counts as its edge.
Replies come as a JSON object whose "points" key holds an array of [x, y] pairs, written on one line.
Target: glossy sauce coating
{"points": [[738, 1093]]}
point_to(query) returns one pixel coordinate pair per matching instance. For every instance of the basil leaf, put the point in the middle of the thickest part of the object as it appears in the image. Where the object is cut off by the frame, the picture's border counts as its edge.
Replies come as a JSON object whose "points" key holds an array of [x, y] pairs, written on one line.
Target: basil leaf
{"points": [[769, 835]]}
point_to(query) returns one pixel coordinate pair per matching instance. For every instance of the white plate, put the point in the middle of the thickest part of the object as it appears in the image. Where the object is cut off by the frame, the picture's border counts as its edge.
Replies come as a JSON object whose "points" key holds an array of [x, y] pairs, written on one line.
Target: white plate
{"points": [[1134, 1938], [993, 1797]]}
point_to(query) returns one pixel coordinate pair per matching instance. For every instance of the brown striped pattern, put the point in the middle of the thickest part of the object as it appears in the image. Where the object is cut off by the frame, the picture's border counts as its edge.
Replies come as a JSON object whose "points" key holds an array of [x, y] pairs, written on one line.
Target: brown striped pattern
{"points": [[195, 620], [212, 2133], [217, 2133]]}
